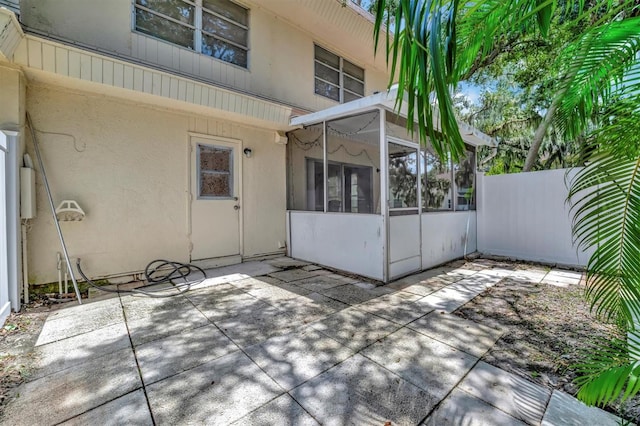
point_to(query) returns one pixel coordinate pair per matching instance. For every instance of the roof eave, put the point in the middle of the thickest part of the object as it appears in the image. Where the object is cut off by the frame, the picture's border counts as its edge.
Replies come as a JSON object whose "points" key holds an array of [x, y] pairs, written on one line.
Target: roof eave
{"points": [[386, 100]]}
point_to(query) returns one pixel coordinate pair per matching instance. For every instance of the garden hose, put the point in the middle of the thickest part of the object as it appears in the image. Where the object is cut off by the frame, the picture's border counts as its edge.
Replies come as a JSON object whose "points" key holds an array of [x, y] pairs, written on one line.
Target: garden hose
{"points": [[157, 272]]}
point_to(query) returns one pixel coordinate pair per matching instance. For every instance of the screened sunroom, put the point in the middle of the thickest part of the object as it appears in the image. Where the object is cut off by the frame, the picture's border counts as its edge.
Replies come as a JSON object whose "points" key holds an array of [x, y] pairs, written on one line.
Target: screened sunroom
{"points": [[364, 196]]}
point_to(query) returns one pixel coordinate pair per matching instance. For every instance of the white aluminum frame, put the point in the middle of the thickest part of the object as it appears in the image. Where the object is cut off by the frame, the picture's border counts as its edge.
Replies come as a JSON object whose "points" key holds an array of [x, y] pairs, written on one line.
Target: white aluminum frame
{"points": [[385, 102], [341, 75], [11, 224], [197, 28]]}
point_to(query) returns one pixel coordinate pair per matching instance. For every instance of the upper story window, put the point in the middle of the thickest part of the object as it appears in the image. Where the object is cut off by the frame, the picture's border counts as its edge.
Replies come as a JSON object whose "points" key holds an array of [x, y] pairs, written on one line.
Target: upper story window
{"points": [[217, 28], [336, 78]]}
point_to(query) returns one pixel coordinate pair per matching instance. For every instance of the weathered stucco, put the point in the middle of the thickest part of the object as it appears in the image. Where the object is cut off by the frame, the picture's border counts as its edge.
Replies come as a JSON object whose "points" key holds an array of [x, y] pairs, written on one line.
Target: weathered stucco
{"points": [[127, 166]]}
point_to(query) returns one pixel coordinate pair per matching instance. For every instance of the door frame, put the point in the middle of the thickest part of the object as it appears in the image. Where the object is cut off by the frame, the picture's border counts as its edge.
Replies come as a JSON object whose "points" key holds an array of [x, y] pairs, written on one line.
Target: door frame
{"points": [[211, 139], [385, 140]]}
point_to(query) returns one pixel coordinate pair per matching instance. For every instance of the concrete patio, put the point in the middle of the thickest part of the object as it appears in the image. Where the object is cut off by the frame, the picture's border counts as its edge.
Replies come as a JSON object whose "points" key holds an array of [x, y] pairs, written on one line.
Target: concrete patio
{"points": [[283, 342]]}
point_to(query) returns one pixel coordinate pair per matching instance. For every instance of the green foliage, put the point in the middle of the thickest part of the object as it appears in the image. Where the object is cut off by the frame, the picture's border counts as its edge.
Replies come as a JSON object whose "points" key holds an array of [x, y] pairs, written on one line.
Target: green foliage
{"points": [[610, 371], [606, 197], [592, 75], [597, 63]]}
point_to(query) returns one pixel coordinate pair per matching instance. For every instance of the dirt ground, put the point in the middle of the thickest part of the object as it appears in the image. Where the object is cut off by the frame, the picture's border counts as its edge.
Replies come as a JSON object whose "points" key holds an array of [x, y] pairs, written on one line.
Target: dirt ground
{"points": [[547, 331], [17, 339]]}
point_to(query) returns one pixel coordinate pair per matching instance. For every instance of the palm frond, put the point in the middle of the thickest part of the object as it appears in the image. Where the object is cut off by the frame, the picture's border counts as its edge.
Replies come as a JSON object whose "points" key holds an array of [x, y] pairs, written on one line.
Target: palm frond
{"points": [[610, 371], [596, 64], [436, 42], [606, 207], [430, 56]]}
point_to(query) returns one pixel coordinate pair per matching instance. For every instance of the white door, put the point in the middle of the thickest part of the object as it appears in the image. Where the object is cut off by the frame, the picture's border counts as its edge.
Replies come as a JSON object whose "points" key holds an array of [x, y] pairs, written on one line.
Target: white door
{"points": [[404, 207], [215, 198]]}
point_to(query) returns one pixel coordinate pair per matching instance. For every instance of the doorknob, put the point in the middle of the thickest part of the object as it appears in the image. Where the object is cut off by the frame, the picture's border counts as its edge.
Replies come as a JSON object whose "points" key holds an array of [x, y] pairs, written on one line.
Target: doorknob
{"points": [[236, 207]]}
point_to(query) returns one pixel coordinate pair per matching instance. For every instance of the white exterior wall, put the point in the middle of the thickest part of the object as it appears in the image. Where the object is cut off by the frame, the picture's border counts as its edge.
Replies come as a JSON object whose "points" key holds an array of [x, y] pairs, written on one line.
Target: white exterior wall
{"points": [[404, 245], [525, 216], [281, 56], [127, 166], [350, 242], [447, 236]]}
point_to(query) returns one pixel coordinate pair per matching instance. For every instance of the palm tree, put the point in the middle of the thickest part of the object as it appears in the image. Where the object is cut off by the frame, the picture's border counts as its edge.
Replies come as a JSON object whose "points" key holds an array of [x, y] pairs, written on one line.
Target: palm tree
{"points": [[434, 44]]}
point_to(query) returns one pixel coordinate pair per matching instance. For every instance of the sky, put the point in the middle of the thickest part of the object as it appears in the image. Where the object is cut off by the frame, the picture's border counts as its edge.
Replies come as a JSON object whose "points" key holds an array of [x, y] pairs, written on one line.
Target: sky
{"points": [[471, 91]]}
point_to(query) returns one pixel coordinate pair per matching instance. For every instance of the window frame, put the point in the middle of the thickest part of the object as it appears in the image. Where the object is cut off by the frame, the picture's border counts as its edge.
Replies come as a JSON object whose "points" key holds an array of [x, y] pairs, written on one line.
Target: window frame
{"points": [[415, 148], [341, 76], [197, 27], [230, 173]]}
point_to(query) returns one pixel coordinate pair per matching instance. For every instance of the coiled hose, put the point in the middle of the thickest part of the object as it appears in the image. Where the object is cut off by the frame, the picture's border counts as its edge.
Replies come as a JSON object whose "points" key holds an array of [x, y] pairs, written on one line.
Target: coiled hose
{"points": [[157, 272]]}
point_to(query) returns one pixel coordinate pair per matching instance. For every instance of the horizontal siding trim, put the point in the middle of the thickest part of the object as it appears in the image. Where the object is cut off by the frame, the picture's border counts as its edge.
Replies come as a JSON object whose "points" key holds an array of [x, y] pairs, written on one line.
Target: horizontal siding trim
{"points": [[89, 66]]}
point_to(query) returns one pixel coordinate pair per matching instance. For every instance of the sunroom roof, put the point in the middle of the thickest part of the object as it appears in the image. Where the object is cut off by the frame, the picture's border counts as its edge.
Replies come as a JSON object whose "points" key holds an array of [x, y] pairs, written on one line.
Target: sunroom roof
{"points": [[387, 100]]}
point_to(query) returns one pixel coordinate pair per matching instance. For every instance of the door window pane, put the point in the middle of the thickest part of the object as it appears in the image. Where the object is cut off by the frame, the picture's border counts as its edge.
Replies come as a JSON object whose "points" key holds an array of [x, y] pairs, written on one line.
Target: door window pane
{"points": [[215, 171], [358, 189], [349, 187], [403, 176]]}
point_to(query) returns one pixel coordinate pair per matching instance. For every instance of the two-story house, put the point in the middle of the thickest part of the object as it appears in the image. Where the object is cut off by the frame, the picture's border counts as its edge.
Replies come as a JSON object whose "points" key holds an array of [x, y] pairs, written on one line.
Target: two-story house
{"points": [[172, 124]]}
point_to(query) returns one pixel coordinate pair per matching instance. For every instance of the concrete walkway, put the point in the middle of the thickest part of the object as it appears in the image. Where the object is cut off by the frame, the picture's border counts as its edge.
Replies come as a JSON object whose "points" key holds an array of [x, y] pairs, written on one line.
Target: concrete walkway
{"points": [[282, 342]]}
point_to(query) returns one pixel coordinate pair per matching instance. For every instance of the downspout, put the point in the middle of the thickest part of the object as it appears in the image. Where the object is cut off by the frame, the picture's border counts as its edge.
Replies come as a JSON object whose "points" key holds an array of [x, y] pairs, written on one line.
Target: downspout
{"points": [[25, 267]]}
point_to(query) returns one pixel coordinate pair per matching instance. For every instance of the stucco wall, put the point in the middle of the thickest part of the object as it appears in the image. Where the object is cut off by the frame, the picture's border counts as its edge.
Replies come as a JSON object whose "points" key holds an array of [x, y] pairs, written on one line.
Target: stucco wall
{"points": [[12, 94], [127, 166], [281, 65]]}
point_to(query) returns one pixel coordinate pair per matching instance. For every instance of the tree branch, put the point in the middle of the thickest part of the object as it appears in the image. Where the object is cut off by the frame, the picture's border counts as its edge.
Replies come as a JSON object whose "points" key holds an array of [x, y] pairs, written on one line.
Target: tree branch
{"points": [[496, 129]]}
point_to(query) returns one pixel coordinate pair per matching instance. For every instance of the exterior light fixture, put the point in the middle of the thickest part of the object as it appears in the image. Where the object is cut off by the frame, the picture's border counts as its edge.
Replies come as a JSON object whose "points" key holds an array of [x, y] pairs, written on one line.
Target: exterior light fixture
{"points": [[248, 152]]}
